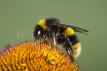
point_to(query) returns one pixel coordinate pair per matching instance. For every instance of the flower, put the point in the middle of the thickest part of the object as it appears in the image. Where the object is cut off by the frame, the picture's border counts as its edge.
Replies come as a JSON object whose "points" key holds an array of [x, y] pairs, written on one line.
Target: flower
{"points": [[29, 56]]}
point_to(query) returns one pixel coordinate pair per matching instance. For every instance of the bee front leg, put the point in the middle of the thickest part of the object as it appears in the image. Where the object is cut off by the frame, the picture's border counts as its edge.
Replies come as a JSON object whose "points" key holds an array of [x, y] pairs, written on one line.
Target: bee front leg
{"points": [[68, 48]]}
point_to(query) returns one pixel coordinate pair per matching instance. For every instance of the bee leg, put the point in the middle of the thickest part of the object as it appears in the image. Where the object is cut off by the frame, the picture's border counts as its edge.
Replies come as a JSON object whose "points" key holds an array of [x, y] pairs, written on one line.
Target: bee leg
{"points": [[54, 41], [72, 58], [68, 48]]}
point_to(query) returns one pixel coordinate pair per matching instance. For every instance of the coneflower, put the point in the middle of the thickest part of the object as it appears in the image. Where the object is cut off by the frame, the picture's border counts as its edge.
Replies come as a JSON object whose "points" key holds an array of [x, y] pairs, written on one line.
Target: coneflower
{"points": [[29, 56]]}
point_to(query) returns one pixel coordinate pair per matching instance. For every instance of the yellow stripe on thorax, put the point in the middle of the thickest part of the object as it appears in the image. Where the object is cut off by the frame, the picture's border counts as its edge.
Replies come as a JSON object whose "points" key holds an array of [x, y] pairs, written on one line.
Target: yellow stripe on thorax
{"points": [[69, 31], [42, 23]]}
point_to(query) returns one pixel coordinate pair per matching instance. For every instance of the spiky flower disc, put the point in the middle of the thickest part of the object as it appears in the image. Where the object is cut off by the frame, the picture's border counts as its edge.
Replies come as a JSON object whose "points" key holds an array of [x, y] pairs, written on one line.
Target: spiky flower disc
{"points": [[28, 56]]}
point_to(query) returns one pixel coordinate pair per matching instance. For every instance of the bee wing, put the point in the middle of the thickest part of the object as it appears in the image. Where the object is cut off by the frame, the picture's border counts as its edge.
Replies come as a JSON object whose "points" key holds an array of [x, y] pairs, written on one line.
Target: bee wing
{"points": [[76, 29]]}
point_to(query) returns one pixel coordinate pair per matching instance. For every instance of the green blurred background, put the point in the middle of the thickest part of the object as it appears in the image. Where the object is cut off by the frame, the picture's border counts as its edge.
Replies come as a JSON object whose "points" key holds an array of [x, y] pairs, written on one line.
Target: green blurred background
{"points": [[19, 17]]}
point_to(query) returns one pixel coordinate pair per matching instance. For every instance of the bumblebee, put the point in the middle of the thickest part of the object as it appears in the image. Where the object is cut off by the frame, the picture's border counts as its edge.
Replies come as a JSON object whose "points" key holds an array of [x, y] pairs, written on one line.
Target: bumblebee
{"points": [[50, 30]]}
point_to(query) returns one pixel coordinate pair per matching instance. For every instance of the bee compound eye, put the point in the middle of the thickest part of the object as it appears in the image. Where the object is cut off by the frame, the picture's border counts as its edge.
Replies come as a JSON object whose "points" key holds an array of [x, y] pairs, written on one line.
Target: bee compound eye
{"points": [[41, 34]]}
